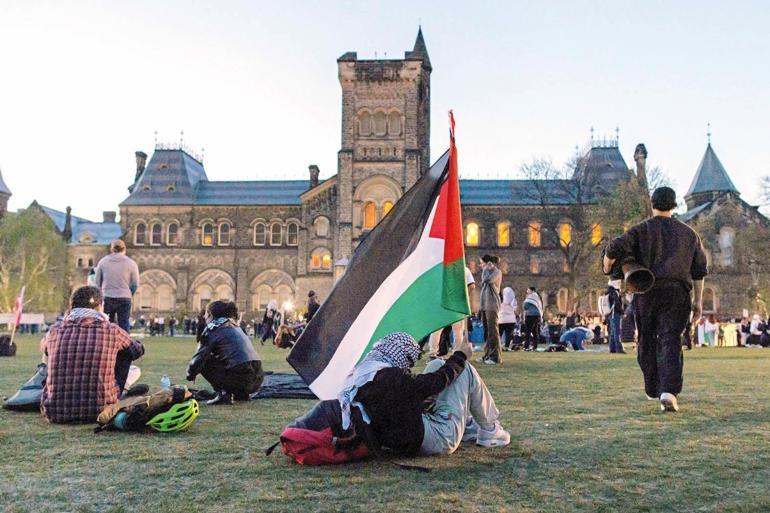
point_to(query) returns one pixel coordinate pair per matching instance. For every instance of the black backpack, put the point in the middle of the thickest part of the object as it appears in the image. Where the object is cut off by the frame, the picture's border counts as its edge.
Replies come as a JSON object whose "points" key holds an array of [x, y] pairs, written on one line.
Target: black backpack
{"points": [[7, 348]]}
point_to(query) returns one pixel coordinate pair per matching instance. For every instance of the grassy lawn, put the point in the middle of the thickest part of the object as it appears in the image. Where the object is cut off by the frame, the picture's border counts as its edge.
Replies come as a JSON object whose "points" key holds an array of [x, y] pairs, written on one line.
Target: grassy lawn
{"points": [[584, 439]]}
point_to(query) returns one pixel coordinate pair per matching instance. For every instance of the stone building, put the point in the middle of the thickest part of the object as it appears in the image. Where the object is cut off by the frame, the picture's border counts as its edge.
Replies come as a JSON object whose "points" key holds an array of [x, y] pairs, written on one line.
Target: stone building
{"points": [[5, 195]]}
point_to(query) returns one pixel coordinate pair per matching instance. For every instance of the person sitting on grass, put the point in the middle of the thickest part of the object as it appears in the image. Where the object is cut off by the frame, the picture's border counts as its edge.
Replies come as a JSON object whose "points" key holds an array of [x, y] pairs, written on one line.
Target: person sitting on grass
{"points": [[83, 352], [226, 357], [384, 401]]}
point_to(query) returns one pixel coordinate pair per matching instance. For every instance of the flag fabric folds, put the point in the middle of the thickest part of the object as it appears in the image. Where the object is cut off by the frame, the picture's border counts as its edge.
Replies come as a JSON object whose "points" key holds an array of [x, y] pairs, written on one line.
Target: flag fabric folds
{"points": [[408, 275], [19, 307]]}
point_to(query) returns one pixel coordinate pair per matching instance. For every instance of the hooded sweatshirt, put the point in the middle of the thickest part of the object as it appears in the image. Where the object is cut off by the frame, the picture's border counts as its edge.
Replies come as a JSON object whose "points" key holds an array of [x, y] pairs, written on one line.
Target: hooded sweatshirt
{"points": [[117, 275], [533, 305], [508, 307]]}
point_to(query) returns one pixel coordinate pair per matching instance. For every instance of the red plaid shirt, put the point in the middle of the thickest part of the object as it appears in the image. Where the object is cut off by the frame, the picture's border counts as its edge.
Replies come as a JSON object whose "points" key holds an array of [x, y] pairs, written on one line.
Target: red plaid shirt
{"points": [[81, 368]]}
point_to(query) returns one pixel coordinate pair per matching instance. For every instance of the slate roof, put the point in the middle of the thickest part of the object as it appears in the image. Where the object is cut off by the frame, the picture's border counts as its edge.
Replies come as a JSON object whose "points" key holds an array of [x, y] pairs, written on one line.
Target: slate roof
{"points": [[99, 233], [170, 178], [515, 192], [420, 50], [690, 214], [261, 192], [711, 175], [603, 163], [4, 188]]}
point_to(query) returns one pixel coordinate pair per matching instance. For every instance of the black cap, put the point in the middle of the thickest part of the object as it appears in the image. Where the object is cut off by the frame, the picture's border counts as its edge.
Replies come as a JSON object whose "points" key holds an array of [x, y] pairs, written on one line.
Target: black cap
{"points": [[664, 199], [311, 293]]}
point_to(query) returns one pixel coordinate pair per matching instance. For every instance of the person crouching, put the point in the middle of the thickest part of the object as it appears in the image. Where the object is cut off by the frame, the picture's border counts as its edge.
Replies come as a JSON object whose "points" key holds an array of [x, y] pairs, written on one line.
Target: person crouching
{"points": [[226, 357]]}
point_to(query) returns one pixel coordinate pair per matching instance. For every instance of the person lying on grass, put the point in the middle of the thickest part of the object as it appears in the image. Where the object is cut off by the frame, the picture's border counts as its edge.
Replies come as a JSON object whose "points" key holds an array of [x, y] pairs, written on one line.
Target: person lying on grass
{"points": [[384, 403], [226, 356], [88, 361]]}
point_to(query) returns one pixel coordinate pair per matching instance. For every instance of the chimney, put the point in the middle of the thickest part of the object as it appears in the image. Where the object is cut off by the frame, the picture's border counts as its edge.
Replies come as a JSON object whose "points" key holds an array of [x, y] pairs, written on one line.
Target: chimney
{"points": [[314, 172], [141, 161], [640, 156], [108, 216], [66, 234]]}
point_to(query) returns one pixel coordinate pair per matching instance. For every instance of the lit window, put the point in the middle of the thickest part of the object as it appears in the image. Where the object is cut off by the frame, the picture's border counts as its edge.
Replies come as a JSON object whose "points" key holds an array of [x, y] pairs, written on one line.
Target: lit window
{"points": [[321, 258], [292, 234], [370, 215], [596, 234], [326, 261], [172, 236], [386, 207], [276, 234], [224, 234], [565, 234], [315, 261], [140, 234], [207, 235], [156, 234], [260, 234], [472, 234], [503, 235], [626, 226], [534, 234], [534, 265]]}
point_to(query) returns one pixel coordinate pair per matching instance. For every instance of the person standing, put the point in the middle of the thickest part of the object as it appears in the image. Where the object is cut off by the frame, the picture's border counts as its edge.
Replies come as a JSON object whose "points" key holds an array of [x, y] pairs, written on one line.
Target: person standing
{"points": [[613, 318], [489, 305], [533, 315], [117, 275], [508, 317], [674, 253], [312, 305]]}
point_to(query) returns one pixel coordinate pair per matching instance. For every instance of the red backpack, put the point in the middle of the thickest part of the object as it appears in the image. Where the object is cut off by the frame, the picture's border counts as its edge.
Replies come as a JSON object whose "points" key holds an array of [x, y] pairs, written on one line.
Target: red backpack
{"points": [[308, 447]]}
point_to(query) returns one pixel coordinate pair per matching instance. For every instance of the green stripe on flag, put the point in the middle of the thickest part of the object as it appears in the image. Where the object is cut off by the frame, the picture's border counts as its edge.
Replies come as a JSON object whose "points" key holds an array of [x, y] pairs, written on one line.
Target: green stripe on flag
{"points": [[454, 293], [418, 310]]}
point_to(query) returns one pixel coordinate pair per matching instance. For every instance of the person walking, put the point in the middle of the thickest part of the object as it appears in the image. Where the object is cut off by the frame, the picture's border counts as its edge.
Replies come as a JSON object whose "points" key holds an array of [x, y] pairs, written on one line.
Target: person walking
{"points": [[614, 317], [489, 305], [117, 275], [674, 253], [533, 315]]}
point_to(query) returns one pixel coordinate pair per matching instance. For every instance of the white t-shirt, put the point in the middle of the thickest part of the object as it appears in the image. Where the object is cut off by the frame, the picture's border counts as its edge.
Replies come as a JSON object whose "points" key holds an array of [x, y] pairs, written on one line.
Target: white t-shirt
{"points": [[469, 277]]}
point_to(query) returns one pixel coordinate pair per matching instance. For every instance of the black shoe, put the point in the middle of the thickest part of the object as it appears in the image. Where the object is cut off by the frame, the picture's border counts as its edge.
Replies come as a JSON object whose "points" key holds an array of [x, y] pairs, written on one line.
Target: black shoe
{"points": [[140, 389], [221, 398], [202, 394]]}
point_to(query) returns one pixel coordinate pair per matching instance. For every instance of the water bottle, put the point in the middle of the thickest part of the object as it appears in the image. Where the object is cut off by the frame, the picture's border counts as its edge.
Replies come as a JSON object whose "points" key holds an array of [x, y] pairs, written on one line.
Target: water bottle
{"points": [[120, 420], [165, 381]]}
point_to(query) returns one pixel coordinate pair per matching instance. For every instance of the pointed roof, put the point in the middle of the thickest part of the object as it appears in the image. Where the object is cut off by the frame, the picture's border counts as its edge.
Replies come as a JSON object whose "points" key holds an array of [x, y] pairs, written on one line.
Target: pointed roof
{"points": [[420, 51], [711, 176], [4, 188]]}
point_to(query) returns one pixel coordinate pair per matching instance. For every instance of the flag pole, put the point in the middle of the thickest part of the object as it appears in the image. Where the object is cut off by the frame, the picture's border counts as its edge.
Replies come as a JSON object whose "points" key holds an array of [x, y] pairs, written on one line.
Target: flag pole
{"points": [[19, 308]]}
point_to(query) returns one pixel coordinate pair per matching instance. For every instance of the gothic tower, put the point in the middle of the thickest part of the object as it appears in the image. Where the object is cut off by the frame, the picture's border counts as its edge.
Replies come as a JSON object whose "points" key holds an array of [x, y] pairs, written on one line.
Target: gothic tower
{"points": [[385, 137]]}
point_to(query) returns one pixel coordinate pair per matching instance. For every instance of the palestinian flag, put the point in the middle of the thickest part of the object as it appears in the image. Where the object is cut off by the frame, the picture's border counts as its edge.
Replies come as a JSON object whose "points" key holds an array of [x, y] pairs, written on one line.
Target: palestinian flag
{"points": [[407, 275]]}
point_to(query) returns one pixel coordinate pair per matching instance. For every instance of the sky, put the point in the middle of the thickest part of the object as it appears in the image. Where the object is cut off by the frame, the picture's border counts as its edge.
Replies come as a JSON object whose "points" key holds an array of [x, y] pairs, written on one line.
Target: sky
{"points": [[85, 84]]}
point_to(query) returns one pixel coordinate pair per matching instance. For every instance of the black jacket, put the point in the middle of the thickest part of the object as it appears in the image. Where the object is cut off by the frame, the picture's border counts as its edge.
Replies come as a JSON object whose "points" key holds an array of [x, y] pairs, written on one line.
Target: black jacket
{"points": [[394, 402], [227, 343]]}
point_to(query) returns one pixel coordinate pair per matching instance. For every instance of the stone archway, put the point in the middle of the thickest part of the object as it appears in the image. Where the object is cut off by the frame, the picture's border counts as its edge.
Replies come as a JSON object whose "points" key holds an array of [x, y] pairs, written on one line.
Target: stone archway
{"points": [[272, 284], [211, 285], [157, 292]]}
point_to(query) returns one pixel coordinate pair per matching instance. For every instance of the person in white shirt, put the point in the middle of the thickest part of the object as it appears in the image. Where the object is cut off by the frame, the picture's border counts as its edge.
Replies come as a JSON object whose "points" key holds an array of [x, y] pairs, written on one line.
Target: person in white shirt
{"points": [[508, 317]]}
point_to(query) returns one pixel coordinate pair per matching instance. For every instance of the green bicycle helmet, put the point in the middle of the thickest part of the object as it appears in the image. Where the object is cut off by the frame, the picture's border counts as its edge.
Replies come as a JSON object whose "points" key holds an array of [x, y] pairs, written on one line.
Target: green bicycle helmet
{"points": [[176, 418]]}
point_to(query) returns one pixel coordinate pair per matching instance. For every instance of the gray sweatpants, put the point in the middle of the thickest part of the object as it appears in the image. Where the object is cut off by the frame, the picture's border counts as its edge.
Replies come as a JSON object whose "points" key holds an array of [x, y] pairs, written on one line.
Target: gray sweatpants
{"points": [[466, 397]]}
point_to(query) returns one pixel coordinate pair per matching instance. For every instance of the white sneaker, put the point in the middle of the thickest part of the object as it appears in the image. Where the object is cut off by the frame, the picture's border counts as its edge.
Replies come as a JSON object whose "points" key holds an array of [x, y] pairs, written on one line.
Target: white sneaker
{"points": [[471, 430], [480, 360], [668, 402], [489, 361], [650, 398], [498, 437]]}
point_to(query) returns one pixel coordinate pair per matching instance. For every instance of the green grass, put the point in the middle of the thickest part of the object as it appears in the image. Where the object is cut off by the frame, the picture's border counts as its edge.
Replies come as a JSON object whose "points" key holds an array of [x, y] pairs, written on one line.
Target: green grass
{"points": [[584, 439]]}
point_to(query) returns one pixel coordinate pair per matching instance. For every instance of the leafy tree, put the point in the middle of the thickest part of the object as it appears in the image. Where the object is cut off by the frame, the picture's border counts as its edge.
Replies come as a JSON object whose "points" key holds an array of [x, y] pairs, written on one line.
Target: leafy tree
{"points": [[32, 254]]}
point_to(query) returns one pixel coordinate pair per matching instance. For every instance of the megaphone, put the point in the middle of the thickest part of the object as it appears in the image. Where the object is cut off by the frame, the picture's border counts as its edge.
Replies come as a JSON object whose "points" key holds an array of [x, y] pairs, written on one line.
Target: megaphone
{"points": [[638, 279]]}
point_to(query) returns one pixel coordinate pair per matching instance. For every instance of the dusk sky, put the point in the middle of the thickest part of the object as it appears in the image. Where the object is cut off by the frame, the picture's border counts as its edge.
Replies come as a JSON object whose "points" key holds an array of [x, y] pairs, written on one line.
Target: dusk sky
{"points": [[85, 84]]}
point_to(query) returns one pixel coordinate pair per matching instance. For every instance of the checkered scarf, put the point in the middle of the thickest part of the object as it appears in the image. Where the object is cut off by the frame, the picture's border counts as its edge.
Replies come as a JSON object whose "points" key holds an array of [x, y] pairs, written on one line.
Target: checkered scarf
{"points": [[395, 350]]}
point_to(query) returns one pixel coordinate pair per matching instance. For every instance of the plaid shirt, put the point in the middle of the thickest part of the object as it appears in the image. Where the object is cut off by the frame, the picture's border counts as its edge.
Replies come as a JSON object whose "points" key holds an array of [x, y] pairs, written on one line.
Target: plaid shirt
{"points": [[81, 368]]}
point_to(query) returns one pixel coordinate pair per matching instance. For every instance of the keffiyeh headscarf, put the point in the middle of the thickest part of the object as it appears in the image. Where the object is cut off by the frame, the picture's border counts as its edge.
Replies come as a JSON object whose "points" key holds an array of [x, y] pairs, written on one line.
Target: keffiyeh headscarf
{"points": [[395, 350]]}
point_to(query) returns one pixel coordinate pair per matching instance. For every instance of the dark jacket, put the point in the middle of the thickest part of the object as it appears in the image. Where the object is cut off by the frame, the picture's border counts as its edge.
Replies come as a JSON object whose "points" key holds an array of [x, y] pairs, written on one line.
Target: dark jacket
{"points": [[312, 308], [394, 402], [616, 303], [227, 343]]}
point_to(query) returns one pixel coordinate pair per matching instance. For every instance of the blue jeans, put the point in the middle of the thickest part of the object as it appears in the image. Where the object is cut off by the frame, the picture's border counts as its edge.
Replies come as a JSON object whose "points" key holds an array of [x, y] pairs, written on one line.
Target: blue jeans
{"points": [[614, 325]]}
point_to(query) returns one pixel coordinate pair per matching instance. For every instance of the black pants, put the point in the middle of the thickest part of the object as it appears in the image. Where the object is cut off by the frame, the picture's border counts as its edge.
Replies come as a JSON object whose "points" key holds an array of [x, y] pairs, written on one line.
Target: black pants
{"points": [[241, 380], [118, 309], [506, 333], [531, 331], [661, 317]]}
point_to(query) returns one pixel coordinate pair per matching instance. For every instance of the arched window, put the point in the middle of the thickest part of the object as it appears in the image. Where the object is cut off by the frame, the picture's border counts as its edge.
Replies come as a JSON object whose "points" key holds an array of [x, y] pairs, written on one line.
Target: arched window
{"points": [[284, 295], [534, 234], [394, 123], [224, 292], [223, 238], [365, 123], [165, 297], [534, 265], [380, 123], [596, 234], [156, 234], [503, 234], [292, 234], [709, 300], [90, 262], [80, 262], [386, 207], [144, 299], [260, 234], [140, 234], [565, 234], [321, 226], [471, 234], [563, 300], [207, 235], [326, 261], [261, 298], [320, 259], [276, 234], [370, 215], [726, 243], [172, 234]]}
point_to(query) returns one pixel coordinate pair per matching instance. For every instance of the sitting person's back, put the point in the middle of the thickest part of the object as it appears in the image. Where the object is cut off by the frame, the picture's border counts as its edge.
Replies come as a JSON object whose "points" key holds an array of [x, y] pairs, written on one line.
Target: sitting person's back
{"points": [[82, 351], [226, 357]]}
